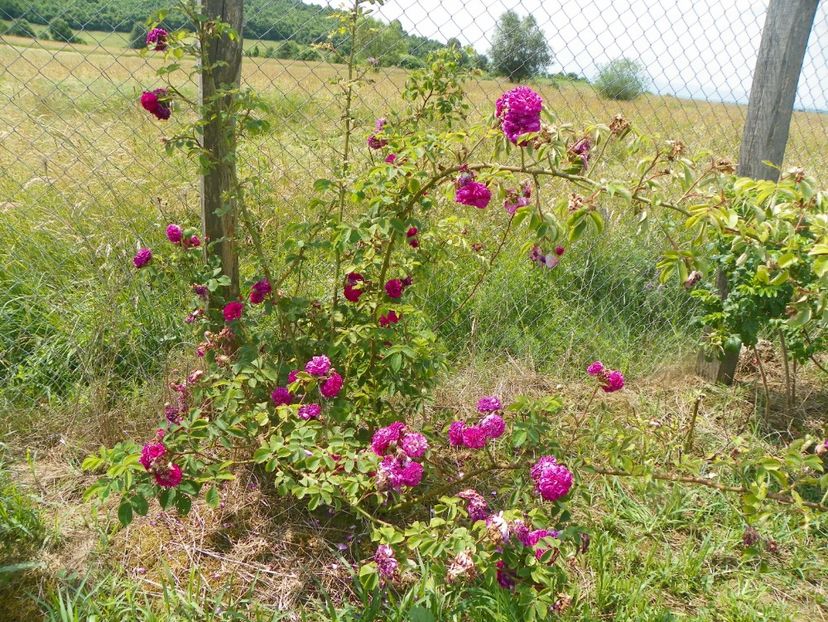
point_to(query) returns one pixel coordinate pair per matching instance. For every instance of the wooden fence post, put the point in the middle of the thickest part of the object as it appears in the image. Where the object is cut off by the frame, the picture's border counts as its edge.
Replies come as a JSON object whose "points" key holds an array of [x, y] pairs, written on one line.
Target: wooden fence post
{"points": [[778, 66], [221, 69]]}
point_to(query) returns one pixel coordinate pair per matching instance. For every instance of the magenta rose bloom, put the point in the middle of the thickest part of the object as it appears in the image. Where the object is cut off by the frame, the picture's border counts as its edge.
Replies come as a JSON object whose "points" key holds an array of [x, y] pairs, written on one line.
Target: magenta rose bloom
{"points": [[353, 289], [168, 477], [389, 318], [233, 310], [281, 396], [174, 234], [614, 381], [519, 111], [310, 411], [476, 506], [474, 437], [394, 288], [505, 578], [386, 562], [455, 433], [142, 258], [414, 444], [157, 37], [192, 242], [259, 291], [473, 193], [318, 365], [411, 474], [391, 158], [374, 141], [150, 453], [489, 404], [200, 290], [493, 425], [552, 480], [383, 437], [156, 103], [595, 368], [332, 386]]}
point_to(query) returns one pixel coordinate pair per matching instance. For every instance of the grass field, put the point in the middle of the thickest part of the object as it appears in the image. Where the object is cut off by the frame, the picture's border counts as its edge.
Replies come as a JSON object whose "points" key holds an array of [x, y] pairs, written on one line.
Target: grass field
{"points": [[85, 350]]}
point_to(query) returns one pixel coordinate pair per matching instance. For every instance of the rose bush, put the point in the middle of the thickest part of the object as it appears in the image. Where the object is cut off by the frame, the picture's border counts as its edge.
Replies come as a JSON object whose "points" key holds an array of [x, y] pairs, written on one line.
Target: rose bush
{"points": [[328, 395]]}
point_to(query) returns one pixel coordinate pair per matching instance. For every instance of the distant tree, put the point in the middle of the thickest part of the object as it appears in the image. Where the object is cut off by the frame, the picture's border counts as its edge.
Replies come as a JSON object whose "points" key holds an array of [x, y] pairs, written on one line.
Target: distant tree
{"points": [[386, 43], [253, 52], [408, 61], [622, 79], [59, 30], [287, 50], [481, 61], [308, 53], [520, 49], [21, 28], [137, 37]]}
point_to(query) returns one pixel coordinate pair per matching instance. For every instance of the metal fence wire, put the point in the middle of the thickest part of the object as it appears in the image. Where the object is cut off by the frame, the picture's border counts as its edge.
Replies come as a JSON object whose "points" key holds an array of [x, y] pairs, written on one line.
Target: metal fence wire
{"points": [[83, 177]]}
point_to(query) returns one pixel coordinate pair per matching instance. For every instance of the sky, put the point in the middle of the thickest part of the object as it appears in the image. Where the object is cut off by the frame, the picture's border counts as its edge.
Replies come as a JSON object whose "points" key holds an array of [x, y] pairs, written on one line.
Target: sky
{"points": [[704, 49]]}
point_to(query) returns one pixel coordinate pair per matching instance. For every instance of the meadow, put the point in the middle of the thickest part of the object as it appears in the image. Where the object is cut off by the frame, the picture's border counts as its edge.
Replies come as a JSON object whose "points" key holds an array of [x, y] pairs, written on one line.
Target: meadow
{"points": [[86, 351]]}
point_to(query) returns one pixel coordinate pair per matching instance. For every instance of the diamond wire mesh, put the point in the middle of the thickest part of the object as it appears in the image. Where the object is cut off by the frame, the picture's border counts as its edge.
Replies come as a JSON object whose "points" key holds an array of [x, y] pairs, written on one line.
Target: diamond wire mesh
{"points": [[83, 179]]}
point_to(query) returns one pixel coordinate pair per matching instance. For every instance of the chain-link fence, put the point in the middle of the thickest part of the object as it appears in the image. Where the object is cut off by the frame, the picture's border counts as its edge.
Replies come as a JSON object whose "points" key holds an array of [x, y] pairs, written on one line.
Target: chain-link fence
{"points": [[84, 176]]}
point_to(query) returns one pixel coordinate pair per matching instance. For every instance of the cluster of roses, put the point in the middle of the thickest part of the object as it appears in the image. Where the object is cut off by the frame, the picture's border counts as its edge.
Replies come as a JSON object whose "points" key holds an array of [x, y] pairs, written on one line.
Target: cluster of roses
{"points": [[491, 426], [400, 450], [329, 381], [175, 234], [610, 380], [154, 458], [157, 102], [356, 286], [546, 260], [518, 112], [471, 192], [552, 479], [259, 291]]}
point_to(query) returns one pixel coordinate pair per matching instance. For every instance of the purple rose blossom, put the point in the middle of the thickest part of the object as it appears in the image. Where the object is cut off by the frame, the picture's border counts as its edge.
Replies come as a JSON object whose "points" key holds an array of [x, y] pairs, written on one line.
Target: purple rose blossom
{"points": [[473, 193], [318, 365], [332, 386], [394, 288], [455, 433], [474, 437], [580, 150], [281, 396], [310, 411], [596, 368], [233, 310], [168, 477], [293, 375], [411, 474], [200, 290], [389, 318], [519, 112], [142, 258], [374, 142], [172, 413], [493, 425], [505, 578], [383, 437], [489, 404], [174, 233], [552, 480], [259, 291], [157, 37], [614, 381], [192, 242], [386, 562], [397, 471], [476, 505], [351, 291], [150, 453], [391, 158], [414, 444], [156, 103]]}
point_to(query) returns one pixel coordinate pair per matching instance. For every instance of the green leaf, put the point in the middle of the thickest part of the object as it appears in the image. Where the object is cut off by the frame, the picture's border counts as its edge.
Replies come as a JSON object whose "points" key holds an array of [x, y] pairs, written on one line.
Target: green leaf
{"points": [[213, 499], [125, 513], [420, 614], [183, 503], [140, 504]]}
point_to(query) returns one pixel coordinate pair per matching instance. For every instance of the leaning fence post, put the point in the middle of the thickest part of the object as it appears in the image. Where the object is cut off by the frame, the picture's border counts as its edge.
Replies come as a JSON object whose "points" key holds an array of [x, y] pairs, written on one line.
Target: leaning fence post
{"points": [[221, 71], [778, 66]]}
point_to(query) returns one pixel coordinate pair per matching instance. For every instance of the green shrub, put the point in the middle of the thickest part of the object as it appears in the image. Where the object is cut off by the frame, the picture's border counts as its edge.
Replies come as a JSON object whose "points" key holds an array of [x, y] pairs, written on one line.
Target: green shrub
{"points": [[407, 61], [21, 28], [59, 30], [308, 54], [137, 37], [622, 79], [286, 50]]}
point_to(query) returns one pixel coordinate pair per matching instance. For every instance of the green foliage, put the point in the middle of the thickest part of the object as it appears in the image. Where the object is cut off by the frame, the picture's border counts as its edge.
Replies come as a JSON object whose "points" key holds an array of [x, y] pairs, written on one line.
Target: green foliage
{"points": [[20, 28], [21, 528], [59, 30], [138, 36], [622, 79], [407, 61], [519, 49]]}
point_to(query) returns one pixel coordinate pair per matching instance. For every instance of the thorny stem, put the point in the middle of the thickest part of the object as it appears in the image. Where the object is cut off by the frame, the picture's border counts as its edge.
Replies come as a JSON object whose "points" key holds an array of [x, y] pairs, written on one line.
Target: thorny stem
{"points": [[764, 382], [688, 441], [685, 479], [346, 154], [788, 399]]}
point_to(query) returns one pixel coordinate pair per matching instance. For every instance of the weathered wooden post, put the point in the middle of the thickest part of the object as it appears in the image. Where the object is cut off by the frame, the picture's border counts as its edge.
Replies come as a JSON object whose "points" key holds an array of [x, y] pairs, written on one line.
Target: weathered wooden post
{"points": [[778, 66], [221, 71]]}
